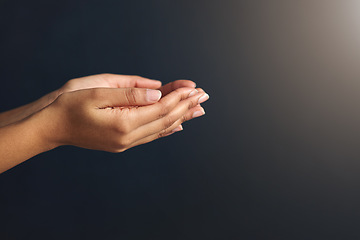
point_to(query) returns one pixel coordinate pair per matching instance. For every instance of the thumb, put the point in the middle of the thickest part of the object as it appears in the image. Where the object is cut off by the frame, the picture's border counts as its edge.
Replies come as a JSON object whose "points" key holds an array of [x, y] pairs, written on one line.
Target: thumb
{"points": [[117, 97]]}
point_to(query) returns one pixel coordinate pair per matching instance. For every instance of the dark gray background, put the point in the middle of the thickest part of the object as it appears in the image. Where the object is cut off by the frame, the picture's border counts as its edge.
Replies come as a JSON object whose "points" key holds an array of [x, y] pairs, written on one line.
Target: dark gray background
{"points": [[275, 157]]}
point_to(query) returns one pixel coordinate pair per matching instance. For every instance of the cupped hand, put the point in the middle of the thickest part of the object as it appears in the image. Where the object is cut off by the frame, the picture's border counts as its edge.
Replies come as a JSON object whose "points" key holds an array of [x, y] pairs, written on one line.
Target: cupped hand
{"points": [[116, 119], [107, 80]]}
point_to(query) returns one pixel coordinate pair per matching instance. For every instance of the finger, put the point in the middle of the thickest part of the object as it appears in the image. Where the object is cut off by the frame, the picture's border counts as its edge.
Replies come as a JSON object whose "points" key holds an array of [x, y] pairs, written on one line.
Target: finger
{"points": [[141, 82], [146, 114], [184, 111], [200, 90], [119, 97], [127, 81], [176, 127], [166, 89]]}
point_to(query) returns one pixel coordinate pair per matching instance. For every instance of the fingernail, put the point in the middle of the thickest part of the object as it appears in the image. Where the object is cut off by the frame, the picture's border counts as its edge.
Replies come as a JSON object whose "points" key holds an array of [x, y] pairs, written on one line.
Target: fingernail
{"points": [[193, 92], [203, 98], [153, 95], [198, 113], [179, 128]]}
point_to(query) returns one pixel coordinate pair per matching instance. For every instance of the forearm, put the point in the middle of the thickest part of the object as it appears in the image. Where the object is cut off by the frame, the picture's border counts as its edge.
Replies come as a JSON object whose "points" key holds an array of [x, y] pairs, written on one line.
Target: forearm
{"points": [[22, 140], [22, 112]]}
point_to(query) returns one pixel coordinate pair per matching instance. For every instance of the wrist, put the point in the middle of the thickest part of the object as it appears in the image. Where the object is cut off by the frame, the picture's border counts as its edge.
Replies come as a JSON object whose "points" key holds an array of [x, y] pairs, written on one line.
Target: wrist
{"points": [[46, 128], [45, 101]]}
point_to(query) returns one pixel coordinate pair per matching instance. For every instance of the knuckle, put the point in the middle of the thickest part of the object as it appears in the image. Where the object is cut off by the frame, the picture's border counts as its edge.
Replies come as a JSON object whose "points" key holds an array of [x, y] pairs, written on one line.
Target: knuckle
{"points": [[167, 122], [131, 95], [183, 93], [192, 103], [184, 118], [162, 133], [123, 127], [123, 142], [164, 109]]}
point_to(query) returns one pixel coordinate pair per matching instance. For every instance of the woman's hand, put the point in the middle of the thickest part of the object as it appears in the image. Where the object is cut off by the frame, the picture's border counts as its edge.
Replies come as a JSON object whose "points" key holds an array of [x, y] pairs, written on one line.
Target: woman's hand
{"points": [[95, 81], [107, 80], [105, 112], [114, 120]]}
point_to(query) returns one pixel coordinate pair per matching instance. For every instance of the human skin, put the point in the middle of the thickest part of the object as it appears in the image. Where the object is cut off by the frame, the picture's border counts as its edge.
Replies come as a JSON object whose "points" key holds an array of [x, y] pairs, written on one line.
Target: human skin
{"points": [[95, 81], [104, 112]]}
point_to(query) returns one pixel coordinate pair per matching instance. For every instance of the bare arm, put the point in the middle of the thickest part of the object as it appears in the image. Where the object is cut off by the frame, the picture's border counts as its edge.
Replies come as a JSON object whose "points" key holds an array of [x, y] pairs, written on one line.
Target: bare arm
{"points": [[93, 81], [22, 112], [22, 140], [102, 119]]}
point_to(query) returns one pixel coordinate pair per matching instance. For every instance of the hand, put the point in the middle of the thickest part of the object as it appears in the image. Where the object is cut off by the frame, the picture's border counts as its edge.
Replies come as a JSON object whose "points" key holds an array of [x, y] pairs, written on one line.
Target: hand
{"points": [[107, 80], [102, 118], [105, 112], [94, 81]]}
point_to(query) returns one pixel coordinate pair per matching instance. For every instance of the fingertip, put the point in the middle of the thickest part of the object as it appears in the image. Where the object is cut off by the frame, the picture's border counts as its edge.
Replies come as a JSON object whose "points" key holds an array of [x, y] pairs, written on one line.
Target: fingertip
{"points": [[177, 129], [143, 82], [193, 93], [198, 113], [184, 83], [156, 81], [203, 98], [200, 90], [189, 83]]}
